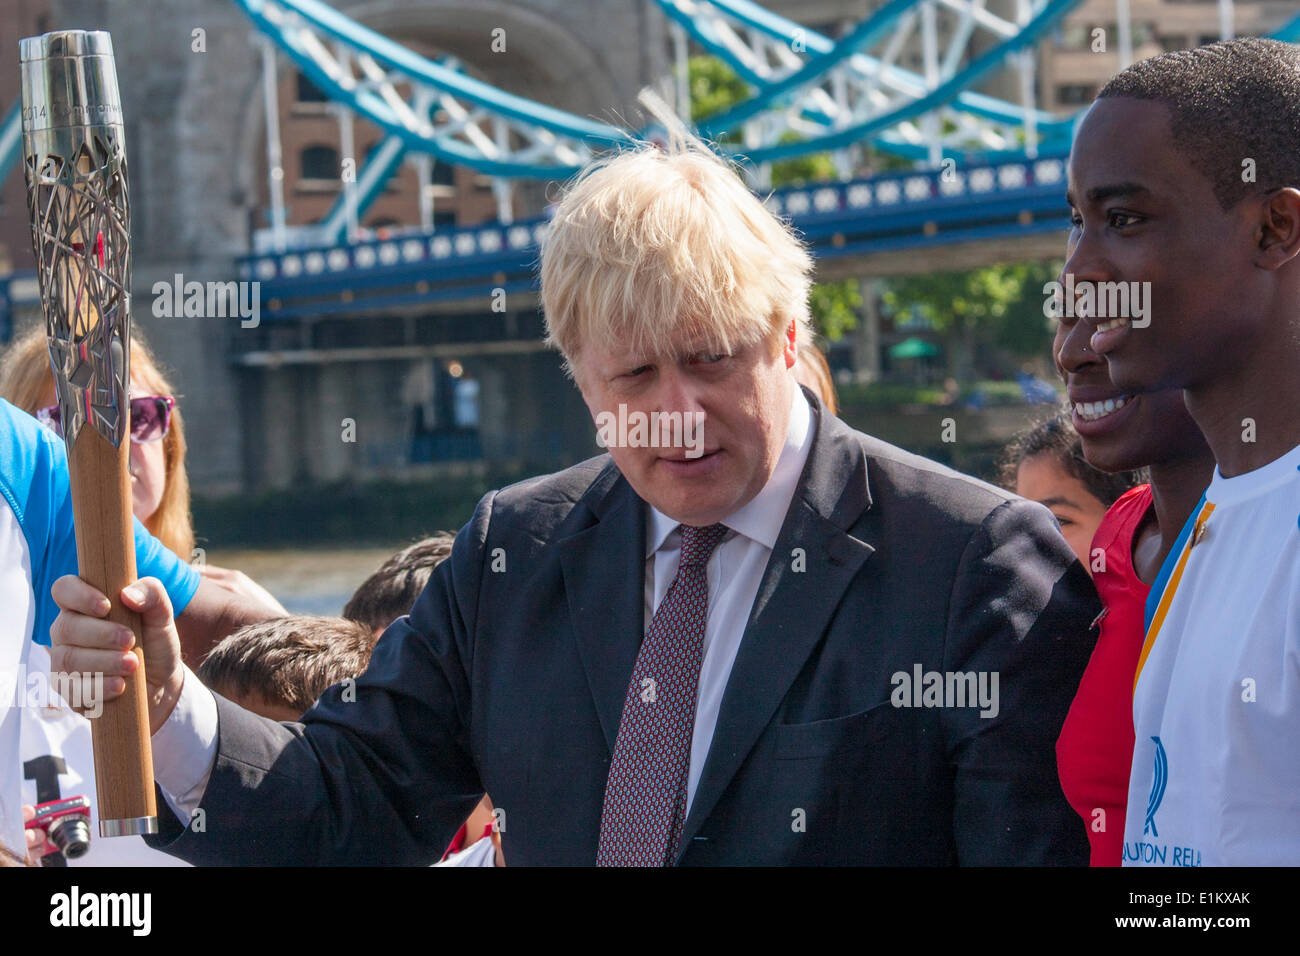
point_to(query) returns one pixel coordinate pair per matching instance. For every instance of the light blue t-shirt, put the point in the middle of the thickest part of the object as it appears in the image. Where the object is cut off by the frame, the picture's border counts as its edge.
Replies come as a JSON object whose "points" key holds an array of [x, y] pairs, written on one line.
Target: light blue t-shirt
{"points": [[34, 483]]}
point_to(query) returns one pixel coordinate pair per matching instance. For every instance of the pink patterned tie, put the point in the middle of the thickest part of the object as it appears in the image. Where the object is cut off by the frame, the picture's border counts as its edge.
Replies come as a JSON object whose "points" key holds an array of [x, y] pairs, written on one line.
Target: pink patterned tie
{"points": [[645, 795]]}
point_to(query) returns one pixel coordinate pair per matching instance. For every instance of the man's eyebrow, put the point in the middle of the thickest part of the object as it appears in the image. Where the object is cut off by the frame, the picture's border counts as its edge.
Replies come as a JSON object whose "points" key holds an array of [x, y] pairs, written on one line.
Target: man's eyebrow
{"points": [[1102, 193]]}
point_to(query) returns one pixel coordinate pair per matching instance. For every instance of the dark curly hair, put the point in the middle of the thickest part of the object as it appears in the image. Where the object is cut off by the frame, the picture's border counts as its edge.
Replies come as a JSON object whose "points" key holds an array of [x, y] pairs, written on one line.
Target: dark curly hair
{"points": [[1056, 436]]}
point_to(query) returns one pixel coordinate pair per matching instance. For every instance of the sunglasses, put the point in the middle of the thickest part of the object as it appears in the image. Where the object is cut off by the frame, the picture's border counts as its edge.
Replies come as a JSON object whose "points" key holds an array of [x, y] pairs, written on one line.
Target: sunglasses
{"points": [[151, 416]]}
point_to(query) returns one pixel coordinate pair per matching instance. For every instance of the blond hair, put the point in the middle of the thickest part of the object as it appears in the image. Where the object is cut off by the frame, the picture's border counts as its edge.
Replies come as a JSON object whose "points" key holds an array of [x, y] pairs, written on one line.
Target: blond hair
{"points": [[26, 381], [655, 248]]}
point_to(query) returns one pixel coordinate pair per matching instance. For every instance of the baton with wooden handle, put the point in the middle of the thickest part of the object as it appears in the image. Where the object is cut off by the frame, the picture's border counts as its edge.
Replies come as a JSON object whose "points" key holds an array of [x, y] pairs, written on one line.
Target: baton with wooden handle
{"points": [[74, 158]]}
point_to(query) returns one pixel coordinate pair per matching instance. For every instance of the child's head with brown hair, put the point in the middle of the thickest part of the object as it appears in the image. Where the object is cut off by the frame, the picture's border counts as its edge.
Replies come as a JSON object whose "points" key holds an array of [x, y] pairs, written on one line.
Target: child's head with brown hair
{"points": [[160, 487], [278, 668], [389, 593]]}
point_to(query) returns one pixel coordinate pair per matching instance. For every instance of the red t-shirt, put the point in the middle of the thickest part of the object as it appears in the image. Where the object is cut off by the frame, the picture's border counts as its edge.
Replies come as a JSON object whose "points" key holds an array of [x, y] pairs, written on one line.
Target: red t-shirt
{"points": [[1095, 751]]}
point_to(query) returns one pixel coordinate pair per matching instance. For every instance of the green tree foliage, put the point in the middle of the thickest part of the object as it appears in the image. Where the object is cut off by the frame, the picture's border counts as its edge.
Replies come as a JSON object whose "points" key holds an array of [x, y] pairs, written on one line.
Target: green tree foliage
{"points": [[715, 87], [1002, 304], [798, 170], [835, 307]]}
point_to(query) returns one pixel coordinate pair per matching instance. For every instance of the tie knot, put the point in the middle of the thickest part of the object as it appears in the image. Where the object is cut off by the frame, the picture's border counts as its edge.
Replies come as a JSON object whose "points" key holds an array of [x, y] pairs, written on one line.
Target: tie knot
{"points": [[698, 543]]}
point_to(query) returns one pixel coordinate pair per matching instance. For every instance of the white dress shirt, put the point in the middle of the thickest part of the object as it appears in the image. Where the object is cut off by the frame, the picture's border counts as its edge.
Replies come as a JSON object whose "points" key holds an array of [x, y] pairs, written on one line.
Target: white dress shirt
{"points": [[185, 746]]}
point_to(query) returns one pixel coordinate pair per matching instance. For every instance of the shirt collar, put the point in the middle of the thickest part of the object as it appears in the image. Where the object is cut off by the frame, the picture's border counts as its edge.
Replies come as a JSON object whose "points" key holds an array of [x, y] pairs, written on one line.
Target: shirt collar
{"points": [[761, 518]]}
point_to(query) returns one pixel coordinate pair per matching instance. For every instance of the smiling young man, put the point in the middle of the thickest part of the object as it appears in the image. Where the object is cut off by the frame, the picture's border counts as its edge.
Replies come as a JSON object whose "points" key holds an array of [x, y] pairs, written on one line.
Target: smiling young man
{"points": [[1186, 175], [660, 657], [1120, 433]]}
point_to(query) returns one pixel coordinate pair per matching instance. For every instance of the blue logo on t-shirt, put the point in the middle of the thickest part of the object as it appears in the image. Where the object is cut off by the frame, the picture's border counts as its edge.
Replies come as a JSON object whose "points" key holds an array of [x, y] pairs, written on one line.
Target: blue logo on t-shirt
{"points": [[1159, 778]]}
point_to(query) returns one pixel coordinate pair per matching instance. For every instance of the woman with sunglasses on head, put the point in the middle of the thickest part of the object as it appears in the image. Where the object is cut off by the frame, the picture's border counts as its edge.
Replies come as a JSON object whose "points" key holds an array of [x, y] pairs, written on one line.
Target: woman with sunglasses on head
{"points": [[160, 487], [1121, 432]]}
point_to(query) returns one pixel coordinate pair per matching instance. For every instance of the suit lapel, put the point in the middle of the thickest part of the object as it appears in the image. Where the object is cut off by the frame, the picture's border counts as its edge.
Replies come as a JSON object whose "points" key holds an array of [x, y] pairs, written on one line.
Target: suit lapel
{"points": [[792, 608], [604, 581]]}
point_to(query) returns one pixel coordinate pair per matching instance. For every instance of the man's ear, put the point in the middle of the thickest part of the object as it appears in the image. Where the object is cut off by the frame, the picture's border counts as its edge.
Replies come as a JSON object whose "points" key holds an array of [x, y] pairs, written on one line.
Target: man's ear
{"points": [[790, 343], [1278, 229]]}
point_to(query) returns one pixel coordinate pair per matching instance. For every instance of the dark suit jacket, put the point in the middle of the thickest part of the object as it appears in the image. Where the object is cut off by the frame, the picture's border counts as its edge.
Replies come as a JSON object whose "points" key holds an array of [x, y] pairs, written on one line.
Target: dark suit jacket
{"points": [[510, 673]]}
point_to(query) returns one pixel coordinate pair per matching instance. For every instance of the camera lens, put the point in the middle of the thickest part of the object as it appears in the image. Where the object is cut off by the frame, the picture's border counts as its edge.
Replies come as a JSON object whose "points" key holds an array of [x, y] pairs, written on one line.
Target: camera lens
{"points": [[71, 835]]}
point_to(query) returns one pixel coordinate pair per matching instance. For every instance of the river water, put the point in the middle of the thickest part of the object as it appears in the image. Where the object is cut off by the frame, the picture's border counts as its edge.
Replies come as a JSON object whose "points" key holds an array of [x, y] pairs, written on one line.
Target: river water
{"points": [[307, 581]]}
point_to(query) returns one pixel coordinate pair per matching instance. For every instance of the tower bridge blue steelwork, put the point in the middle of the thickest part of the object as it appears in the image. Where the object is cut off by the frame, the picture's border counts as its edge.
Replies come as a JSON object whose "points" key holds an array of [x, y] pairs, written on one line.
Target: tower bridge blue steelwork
{"points": [[361, 68], [820, 93], [991, 193], [996, 193], [910, 210], [1004, 180], [828, 94]]}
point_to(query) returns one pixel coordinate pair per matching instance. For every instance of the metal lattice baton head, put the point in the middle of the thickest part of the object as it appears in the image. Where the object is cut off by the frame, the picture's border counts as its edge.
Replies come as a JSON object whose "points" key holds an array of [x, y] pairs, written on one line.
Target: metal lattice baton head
{"points": [[74, 158]]}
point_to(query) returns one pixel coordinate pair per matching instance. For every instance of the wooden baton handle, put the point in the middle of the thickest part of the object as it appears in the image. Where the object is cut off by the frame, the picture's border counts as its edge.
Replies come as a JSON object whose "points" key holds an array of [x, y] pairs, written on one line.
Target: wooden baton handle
{"points": [[101, 502]]}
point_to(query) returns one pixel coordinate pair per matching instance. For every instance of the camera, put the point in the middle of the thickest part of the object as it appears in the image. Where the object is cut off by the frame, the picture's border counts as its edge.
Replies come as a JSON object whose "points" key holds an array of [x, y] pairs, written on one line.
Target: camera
{"points": [[66, 823]]}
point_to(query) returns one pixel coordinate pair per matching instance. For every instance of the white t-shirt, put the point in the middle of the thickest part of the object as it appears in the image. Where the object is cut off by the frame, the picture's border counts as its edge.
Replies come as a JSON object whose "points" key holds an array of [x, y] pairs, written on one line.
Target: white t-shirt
{"points": [[17, 612], [37, 546], [56, 740], [1216, 710]]}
